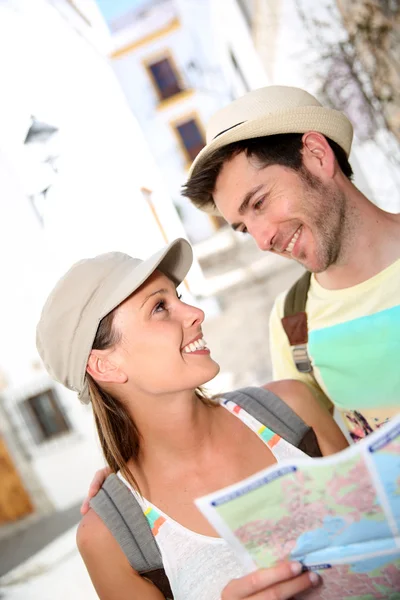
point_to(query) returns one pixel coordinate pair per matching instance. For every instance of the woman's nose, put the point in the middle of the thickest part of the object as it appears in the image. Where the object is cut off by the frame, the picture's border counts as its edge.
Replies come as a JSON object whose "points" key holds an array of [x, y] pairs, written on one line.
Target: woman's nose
{"points": [[193, 316]]}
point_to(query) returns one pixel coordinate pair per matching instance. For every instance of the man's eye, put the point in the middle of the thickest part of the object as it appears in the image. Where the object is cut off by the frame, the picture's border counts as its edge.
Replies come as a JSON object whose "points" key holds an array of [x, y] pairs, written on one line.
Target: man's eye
{"points": [[257, 205]]}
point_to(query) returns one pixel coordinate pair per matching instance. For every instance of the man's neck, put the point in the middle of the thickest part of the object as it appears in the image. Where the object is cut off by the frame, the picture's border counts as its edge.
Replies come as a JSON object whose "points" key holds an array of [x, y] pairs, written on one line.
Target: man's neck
{"points": [[371, 244]]}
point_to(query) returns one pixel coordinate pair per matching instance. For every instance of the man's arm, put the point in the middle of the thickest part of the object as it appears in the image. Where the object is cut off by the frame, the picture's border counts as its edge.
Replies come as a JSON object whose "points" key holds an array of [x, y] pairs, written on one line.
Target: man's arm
{"points": [[301, 400], [283, 366]]}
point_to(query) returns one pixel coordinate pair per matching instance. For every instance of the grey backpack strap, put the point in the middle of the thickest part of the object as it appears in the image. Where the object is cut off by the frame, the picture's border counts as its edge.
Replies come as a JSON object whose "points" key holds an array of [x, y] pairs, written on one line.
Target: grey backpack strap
{"points": [[123, 516], [275, 414]]}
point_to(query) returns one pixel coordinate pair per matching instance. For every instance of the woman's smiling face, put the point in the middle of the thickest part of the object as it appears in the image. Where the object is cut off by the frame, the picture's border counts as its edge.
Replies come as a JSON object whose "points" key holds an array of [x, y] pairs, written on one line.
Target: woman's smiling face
{"points": [[160, 346]]}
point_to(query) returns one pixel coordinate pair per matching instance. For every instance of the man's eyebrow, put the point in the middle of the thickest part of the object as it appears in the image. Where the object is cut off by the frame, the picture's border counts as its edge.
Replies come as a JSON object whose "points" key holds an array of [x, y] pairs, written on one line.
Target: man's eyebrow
{"points": [[245, 203], [160, 291]]}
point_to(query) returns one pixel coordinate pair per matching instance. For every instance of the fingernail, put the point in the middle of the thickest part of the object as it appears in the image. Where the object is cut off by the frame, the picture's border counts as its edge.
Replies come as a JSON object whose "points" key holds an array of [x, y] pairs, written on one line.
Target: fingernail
{"points": [[314, 578], [296, 568]]}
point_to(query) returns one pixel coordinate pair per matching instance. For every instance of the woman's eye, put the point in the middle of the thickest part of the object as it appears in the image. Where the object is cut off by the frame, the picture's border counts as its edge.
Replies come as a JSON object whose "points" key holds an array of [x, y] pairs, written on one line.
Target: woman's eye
{"points": [[159, 307]]}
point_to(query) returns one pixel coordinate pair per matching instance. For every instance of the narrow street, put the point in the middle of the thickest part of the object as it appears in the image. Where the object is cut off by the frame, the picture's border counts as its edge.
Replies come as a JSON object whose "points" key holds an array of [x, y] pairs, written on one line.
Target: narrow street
{"points": [[246, 282]]}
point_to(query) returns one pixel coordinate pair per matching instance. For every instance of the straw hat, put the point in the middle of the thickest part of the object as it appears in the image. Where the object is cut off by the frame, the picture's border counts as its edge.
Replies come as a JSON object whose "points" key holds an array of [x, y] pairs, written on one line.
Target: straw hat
{"points": [[270, 111]]}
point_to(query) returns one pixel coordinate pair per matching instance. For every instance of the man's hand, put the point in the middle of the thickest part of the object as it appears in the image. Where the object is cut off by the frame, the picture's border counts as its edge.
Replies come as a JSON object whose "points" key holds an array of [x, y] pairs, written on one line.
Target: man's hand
{"points": [[97, 481], [277, 583]]}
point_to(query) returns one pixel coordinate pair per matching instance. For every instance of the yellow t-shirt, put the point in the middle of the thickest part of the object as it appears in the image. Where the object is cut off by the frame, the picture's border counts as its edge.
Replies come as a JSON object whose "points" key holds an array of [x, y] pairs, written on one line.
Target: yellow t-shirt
{"points": [[354, 347]]}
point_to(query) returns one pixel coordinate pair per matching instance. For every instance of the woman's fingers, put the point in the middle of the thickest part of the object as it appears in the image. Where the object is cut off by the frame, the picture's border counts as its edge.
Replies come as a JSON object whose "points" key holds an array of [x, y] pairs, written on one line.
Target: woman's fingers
{"points": [[289, 589], [277, 583], [97, 481]]}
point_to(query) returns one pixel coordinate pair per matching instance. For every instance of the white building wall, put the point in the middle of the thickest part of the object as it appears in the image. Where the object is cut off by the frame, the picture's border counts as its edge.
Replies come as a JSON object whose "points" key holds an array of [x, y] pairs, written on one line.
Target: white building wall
{"points": [[94, 205], [200, 47], [232, 35]]}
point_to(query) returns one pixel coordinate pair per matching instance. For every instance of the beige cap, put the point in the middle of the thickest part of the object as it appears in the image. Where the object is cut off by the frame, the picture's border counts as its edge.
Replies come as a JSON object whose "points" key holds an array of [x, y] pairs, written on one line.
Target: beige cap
{"points": [[270, 111], [90, 290]]}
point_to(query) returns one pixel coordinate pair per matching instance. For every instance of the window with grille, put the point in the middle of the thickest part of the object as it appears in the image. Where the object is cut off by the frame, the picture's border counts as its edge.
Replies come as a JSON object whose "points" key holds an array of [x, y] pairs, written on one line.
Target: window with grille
{"points": [[165, 78], [44, 416], [191, 137]]}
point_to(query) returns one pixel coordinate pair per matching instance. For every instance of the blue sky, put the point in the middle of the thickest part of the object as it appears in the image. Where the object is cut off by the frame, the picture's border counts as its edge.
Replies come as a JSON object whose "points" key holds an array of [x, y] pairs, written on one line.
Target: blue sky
{"points": [[112, 9]]}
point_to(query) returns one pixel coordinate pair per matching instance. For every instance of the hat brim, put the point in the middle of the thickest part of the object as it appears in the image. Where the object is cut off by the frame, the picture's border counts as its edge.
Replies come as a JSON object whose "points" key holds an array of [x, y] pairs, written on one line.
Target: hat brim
{"points": [[331, 123], [174, 261]]}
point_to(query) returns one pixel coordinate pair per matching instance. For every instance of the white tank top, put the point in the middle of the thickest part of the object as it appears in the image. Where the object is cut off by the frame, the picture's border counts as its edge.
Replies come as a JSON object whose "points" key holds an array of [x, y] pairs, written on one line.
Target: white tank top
{"points": [[198, 566]]}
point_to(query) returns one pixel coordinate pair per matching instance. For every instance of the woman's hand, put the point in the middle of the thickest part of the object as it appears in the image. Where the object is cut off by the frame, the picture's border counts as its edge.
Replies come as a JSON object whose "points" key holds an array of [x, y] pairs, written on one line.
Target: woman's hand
{"points": [[97, 481], [277, 583]]}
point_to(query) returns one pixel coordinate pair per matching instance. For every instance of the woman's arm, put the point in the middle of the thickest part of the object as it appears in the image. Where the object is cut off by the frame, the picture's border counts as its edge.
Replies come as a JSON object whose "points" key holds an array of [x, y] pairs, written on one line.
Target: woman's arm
{"points": [[112, 576], [301, 399]]}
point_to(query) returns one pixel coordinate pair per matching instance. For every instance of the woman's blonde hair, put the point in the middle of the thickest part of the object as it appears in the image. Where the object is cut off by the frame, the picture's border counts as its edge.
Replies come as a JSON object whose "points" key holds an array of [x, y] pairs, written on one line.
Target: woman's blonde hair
{"points": [[118, 434]]}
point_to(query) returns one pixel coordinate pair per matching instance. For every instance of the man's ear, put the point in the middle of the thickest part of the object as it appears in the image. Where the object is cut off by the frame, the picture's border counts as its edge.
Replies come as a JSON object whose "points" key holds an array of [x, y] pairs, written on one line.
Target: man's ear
{"points": [[318, 156], [102, 368]]}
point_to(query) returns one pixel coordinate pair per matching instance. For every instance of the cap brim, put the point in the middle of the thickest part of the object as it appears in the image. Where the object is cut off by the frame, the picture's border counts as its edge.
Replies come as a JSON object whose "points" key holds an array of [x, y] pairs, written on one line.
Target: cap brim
{"points": [[174, 261]]}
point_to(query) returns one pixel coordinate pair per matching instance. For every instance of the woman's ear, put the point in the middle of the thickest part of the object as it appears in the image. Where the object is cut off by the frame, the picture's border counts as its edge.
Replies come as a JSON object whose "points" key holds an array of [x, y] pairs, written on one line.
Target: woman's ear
{"points": [[101, 367]]}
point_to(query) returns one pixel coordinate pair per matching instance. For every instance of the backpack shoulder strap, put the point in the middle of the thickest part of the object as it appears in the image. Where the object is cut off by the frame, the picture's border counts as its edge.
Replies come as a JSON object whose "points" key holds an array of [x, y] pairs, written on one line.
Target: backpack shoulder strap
{"points": [[294, 322], [275, 414], [121, 513], [296, 298]]}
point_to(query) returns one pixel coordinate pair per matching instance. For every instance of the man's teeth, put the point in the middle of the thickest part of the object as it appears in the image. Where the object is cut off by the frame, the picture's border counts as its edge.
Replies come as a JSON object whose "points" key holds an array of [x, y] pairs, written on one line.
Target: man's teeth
{"points": [[294, 239], [197, 345]]}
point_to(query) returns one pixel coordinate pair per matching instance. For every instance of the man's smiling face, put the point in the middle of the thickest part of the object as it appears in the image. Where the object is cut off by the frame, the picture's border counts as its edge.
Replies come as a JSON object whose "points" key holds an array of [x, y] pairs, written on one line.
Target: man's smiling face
{"points": [[291, 213]]}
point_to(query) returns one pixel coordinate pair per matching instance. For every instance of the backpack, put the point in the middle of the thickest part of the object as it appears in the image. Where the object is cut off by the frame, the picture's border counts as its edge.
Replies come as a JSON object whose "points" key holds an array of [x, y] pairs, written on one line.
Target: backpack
{"points": [[123, 516], [294, 322]]}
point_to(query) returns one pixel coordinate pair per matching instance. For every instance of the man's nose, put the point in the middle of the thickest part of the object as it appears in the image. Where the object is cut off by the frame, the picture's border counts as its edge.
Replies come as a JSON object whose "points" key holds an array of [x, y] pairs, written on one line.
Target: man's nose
{"points": [[262, 235]]}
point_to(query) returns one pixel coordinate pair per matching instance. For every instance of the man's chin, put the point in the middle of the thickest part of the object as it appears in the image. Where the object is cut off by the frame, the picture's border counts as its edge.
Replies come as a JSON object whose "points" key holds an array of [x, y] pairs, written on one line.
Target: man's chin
{"points": [[304, 261], [310, 265]]}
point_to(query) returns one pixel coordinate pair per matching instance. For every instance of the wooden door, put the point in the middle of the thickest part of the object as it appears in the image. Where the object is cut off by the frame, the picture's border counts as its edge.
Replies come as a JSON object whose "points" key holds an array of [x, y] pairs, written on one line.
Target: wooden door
{"points": [[14, 500]]}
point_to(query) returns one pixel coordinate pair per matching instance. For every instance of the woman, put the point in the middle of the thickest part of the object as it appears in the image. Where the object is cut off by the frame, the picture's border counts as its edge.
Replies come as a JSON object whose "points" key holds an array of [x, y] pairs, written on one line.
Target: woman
{"points": [[115, 330]]}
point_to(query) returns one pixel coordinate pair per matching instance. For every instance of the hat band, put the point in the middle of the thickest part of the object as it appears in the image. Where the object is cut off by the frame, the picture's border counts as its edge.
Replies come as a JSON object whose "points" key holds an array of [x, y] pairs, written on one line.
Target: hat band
{"points": [[229, 128]]}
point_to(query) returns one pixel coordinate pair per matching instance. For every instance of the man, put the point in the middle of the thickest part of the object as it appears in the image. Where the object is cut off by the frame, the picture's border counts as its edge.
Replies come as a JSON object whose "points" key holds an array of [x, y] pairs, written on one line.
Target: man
{"points": [[276, 167]]}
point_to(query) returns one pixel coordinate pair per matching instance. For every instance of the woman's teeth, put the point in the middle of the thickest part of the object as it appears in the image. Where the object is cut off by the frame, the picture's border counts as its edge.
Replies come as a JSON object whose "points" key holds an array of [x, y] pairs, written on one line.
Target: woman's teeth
{"points": [[294, 239], [200, 344]]}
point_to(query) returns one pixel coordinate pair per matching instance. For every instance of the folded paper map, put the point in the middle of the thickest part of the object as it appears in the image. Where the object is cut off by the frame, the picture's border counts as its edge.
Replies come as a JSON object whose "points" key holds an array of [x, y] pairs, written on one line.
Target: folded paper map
{"points": [[338, 515]]}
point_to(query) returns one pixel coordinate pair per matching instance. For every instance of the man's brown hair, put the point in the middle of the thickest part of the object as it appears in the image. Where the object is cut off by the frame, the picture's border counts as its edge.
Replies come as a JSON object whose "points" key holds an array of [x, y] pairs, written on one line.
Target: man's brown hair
{"points": [[282, 149]]}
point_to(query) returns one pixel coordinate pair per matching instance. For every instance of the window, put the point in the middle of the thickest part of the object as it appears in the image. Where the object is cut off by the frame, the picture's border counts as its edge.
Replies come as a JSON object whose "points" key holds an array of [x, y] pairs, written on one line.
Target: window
{"points": [[165, 78], [44, 416], [191, 137]]}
